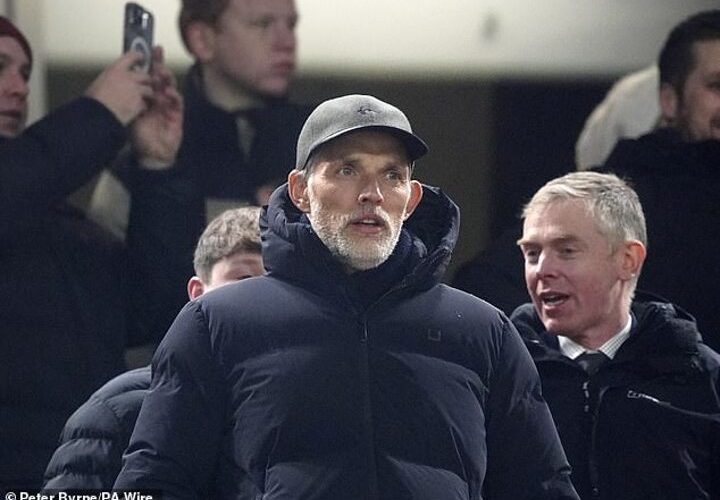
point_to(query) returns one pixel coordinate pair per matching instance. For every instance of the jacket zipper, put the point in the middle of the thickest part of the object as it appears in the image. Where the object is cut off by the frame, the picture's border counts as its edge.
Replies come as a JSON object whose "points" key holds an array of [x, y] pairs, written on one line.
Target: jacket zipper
{"points": [[364, 361], [593, 468]]}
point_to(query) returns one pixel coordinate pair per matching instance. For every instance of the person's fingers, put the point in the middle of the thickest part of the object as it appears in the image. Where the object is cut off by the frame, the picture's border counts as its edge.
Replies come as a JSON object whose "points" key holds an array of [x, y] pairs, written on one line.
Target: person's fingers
{"points": [[174, 95], [158, 54], [163, 77], [140, 78], [129, 59]]}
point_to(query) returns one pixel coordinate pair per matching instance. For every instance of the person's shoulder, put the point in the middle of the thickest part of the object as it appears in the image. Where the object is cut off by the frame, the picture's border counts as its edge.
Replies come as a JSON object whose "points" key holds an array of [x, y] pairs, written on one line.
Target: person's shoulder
{"points": [[234, 300], [527, 322], [652, 153], [664, 322], [524, 312], [132, 380], [114, 405], [246, 288], [467, 299], [471, 310], [126, 387], [710, 357]]}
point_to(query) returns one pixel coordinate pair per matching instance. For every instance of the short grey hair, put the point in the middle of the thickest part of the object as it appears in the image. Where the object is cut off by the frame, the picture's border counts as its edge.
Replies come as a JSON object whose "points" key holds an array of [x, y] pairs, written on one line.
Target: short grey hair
{"points": [[611, 202]]}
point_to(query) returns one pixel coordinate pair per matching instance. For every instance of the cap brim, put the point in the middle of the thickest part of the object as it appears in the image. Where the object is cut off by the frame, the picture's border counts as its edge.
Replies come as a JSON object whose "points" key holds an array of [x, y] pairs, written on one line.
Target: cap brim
{"points": [[415, 147]]}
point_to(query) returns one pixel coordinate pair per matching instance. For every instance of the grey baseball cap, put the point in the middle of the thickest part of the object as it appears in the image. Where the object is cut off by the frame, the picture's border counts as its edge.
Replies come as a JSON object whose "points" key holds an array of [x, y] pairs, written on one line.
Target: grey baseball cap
{"points": [[349, 113]]}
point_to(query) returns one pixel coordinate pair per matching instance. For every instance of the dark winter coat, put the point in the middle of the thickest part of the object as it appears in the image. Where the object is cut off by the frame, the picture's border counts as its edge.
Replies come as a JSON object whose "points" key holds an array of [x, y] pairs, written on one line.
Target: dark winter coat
{"points": [[678, 185], [647, 424], [287, 386], [96, 435], [62, 323]]}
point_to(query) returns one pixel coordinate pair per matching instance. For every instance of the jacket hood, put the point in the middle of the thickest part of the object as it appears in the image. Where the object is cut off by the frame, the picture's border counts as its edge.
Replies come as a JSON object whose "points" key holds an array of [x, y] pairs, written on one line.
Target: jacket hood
{"points": [[292, 250]]}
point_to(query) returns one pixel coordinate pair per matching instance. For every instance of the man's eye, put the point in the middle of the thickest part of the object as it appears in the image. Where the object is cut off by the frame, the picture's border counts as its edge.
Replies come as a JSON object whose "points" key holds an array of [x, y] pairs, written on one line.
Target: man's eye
{"points": [[394, 175], [531, 255], [346, 170], [567, 251]]}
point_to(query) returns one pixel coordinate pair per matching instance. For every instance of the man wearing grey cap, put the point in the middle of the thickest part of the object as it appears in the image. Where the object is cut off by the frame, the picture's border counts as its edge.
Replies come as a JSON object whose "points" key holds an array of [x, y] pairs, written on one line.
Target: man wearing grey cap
{"points": [[348, 371]]}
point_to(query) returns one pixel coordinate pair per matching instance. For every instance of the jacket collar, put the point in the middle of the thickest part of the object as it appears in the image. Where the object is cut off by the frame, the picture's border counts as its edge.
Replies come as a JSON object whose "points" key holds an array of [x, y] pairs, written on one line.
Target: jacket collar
{"points": [[292, 250], [663, 338]]}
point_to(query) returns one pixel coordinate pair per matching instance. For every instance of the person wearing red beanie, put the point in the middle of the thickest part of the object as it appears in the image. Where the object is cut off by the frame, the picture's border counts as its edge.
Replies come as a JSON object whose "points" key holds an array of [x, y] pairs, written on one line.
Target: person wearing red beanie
{"points": [[63, 320]]}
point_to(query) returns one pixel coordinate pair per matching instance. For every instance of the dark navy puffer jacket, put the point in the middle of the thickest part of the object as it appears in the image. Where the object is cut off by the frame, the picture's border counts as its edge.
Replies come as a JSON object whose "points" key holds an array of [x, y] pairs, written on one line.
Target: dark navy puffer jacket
{"points": [[284, 386], [647, 424], [96, 435]]}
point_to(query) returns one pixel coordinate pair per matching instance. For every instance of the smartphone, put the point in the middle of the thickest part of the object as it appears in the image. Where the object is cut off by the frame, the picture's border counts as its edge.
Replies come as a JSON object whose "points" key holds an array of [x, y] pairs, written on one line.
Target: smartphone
{"points": [[138, 33]]}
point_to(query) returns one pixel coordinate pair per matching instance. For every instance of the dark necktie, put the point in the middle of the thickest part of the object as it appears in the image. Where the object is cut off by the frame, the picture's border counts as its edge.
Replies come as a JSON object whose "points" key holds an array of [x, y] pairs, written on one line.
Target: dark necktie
{"points": [[591, 361]]}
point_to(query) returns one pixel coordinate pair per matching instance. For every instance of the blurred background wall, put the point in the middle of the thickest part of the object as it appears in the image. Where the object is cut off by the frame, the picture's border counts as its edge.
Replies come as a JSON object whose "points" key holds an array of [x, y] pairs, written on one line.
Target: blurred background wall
{"points": [[498, 88]]}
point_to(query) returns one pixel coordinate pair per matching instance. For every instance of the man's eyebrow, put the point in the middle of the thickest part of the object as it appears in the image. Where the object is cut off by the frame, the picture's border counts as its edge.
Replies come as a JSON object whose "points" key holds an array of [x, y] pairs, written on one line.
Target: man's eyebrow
{"points": [[563, 238], [396, 165], [343, 160]]}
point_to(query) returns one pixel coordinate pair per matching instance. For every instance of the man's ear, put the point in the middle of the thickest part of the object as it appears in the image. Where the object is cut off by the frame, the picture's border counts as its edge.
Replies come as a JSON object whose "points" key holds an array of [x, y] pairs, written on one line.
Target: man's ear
{"points": [[669, 103], [297, 189], [416, 194], [195, 287], [632, 256], [200, 38]]}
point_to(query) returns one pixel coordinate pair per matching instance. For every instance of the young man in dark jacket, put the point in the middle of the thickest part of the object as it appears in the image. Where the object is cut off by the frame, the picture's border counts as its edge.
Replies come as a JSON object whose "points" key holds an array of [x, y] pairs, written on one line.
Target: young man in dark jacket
{"points": [[96, 435], [348, 371], [632, 388], [239, 143], [63, 322]]}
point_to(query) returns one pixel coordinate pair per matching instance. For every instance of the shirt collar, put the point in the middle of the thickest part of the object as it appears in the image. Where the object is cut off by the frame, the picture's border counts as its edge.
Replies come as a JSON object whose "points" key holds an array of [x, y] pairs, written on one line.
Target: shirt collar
{"points": [[572, 349]]}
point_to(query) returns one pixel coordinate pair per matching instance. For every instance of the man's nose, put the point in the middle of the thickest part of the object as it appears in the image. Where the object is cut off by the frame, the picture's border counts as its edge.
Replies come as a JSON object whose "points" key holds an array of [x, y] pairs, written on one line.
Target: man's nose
{"points": [[545, 265], [371, 192]]}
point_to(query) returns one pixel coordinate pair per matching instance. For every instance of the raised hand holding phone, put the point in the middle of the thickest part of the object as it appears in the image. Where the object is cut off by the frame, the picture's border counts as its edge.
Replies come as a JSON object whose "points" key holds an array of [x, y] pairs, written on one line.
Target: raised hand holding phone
{"points": [[156, 134]]}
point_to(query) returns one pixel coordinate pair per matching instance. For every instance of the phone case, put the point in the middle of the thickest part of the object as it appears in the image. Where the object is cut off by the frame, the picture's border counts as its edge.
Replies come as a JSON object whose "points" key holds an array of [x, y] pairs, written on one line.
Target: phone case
{"points": [[138, 33]]}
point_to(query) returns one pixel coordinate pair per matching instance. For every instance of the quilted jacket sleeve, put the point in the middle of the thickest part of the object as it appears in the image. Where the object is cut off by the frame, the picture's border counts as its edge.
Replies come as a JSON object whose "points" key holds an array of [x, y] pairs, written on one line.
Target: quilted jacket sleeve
{"points": [[54, 157], [96, 435], [519, 419], [177, 436]]}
